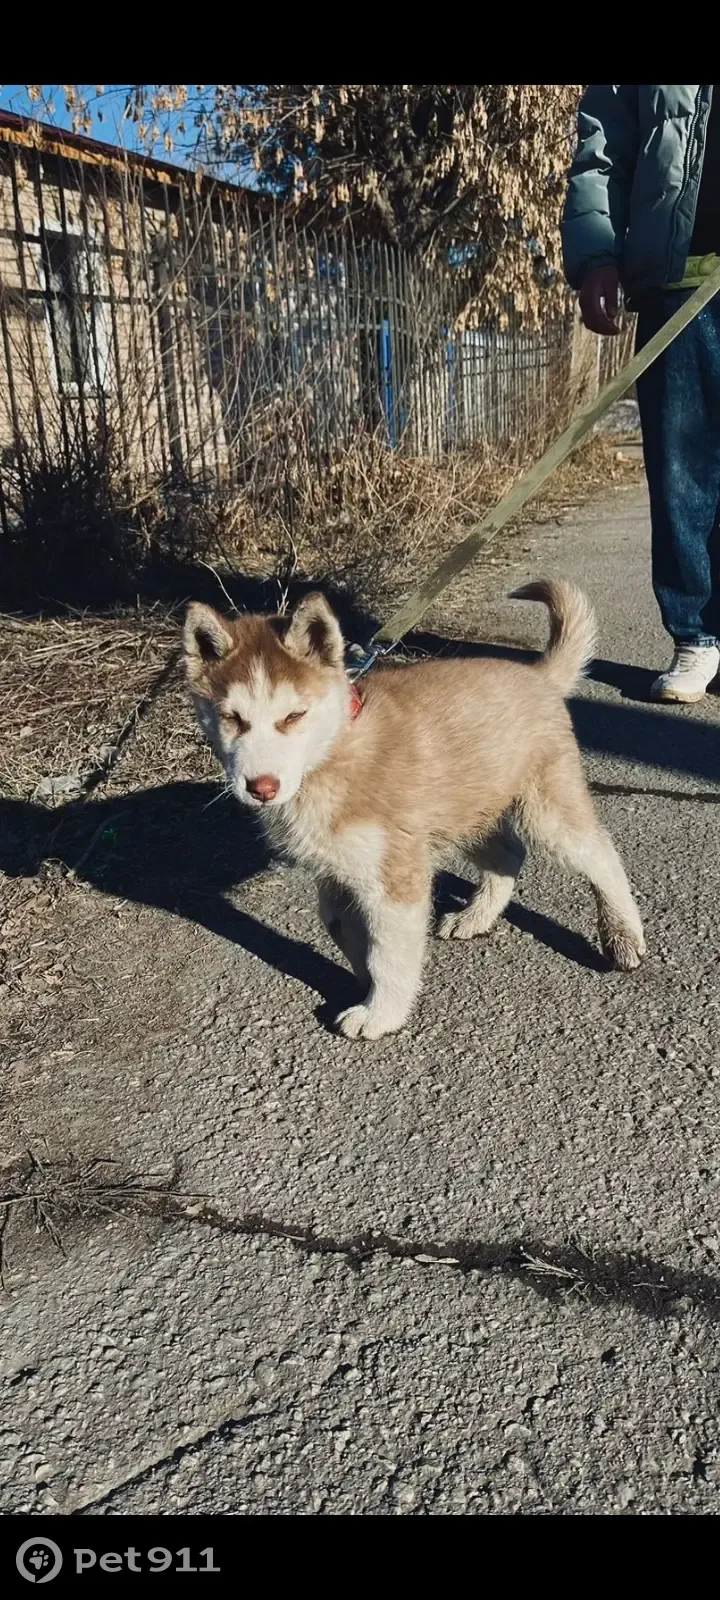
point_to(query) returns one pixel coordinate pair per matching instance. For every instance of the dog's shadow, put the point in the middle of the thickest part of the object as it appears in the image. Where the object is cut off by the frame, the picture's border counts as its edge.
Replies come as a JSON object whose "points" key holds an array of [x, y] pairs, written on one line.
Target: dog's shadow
{"points": [[452, 893], [184, 849]]}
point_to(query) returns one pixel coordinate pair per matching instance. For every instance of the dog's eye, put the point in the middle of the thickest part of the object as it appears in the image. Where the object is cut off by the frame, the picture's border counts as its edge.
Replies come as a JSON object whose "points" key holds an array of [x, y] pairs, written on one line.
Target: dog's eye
{"points": [[235, 723], [292, 717]]}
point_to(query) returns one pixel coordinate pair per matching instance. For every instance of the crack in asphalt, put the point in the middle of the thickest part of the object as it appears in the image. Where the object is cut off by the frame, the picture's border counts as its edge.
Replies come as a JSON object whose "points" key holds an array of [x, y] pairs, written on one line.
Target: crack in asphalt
{"points": [[67, 1194], [649, 1287]]}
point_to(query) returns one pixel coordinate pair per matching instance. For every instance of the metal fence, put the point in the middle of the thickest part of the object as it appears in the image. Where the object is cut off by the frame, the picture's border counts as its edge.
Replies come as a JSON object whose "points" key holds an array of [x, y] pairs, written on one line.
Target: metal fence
{"points": [[217, 344]]}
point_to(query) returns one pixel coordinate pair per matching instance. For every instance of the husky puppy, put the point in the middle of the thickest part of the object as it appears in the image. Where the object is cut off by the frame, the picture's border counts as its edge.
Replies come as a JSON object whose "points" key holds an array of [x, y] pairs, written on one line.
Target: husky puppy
{"points": [[369, 785]]}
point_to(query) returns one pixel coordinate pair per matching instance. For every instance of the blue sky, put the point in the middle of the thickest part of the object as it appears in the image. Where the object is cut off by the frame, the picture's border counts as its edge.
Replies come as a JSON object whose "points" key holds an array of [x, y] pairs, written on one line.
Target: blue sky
{"points": [[106, 105], [106, 109]]}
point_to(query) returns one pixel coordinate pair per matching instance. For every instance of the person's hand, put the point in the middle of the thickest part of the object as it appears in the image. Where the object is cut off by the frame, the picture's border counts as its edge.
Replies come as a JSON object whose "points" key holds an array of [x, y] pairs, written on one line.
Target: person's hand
{"points": [[600, 300]]}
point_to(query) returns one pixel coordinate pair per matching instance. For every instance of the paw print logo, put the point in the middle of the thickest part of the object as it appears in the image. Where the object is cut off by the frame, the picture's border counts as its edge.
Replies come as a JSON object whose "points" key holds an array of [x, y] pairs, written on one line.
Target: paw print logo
{"points": [[38, 1560]]}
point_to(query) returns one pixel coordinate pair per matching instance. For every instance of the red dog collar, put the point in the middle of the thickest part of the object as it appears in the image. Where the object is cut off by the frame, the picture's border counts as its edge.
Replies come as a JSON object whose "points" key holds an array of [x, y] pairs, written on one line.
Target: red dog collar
{"points": [[356, 703]]}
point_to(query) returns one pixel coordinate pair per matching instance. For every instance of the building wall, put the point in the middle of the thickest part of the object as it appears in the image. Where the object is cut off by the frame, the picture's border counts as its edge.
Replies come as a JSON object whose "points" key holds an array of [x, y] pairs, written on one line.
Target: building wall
{"points": [[129, 330]]}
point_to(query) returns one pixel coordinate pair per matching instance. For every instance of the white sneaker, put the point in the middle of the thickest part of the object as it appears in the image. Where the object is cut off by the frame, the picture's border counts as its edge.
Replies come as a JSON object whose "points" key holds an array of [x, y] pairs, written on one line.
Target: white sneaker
{"points": [[691, 672]]}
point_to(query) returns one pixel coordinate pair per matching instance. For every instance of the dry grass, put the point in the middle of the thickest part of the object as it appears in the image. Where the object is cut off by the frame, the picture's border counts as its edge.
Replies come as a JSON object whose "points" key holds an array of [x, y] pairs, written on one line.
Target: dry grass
{"points": [[167, 747], [379, 513], [69, 686], [56, 1195]]}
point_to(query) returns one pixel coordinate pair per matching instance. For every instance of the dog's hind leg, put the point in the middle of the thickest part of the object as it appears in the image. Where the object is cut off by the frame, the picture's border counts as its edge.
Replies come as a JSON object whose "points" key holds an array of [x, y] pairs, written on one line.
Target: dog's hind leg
{"points": [[345, 924], [559, 814], [500, 860]]}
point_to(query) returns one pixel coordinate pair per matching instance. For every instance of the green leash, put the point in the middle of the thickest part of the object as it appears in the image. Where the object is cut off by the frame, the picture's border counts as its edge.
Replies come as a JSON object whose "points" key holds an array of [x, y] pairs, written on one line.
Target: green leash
{"points": [[409, 614]]}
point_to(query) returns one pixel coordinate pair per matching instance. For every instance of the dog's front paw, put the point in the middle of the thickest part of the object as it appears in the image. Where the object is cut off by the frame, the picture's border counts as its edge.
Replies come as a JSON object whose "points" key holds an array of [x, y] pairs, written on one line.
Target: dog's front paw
{"points": [[364, 1022], [464, 924]]}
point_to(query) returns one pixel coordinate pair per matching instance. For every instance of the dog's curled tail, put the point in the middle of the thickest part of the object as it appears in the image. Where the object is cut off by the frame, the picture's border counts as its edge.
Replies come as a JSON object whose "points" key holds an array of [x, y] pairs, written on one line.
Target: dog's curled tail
{"points": [[573, 630]]}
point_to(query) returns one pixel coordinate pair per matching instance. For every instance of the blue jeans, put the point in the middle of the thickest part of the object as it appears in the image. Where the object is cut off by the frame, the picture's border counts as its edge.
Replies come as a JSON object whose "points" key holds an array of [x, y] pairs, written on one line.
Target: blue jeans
{"points": [[679, 401]]}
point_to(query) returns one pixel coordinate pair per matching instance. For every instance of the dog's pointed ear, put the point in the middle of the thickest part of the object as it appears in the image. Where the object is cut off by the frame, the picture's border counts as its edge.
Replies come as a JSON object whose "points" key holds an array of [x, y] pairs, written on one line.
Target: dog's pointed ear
{"points": [[314, 631], [206, 640]]}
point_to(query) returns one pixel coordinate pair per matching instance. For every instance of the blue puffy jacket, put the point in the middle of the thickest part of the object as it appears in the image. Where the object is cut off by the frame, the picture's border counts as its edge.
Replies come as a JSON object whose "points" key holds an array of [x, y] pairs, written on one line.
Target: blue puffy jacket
{"points": [[634, 182]]}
